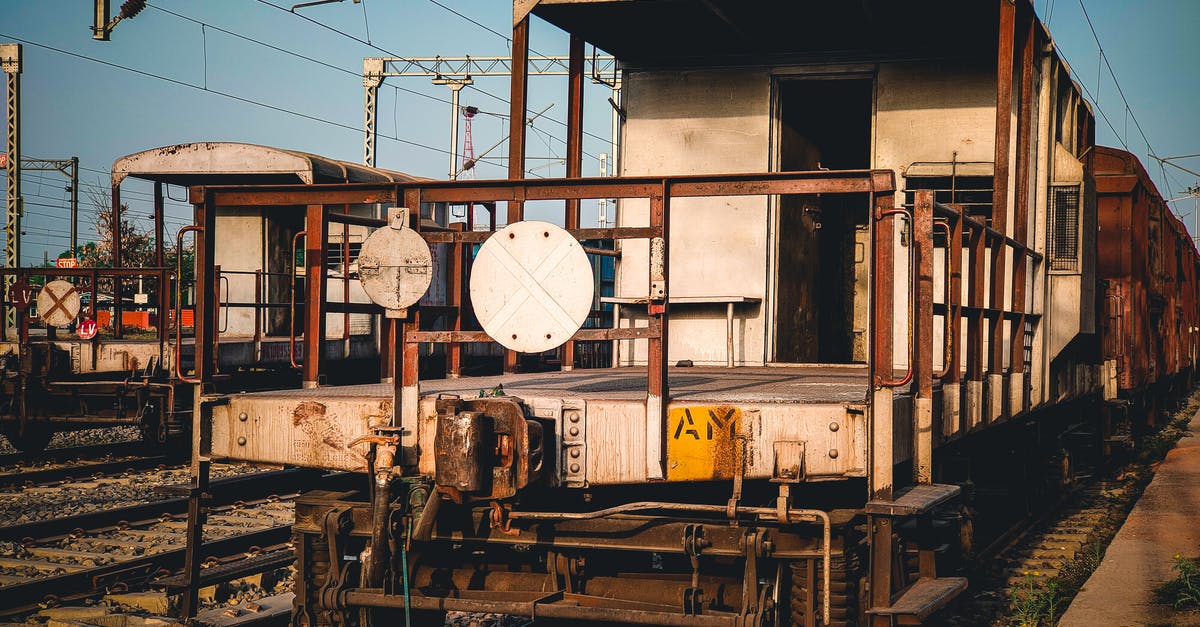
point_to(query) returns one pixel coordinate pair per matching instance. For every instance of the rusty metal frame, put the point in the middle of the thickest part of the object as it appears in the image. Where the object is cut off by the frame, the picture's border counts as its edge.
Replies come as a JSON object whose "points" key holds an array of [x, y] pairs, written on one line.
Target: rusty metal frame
{"points": [[879, 184]]}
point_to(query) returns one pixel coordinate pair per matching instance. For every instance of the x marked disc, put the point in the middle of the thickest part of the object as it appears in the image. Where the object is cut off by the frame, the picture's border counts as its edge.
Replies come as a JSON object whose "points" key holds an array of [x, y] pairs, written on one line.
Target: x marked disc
{"points": [[58, 303], [531, 286], [395, 267]]}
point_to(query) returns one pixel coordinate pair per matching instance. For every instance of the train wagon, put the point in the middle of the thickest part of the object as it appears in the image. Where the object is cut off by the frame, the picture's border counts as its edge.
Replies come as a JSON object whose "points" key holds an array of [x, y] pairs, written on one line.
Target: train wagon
{"points": [[850, 238], [59, 374], [1149, 269]]}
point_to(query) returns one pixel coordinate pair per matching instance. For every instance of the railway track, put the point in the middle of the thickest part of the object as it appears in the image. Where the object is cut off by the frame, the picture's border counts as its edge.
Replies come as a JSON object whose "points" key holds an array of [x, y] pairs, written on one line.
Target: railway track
{"points": [[21, 469], [55, 561]]}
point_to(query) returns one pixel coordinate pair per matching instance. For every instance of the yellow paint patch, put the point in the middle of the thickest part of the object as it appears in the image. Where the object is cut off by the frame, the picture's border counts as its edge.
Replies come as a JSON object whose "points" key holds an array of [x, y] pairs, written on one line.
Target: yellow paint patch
{"points": [[702, 443]]}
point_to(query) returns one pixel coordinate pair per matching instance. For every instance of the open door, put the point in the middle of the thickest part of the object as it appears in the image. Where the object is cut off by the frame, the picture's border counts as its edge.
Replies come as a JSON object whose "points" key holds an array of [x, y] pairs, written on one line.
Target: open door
{"points": [[825, 124]]}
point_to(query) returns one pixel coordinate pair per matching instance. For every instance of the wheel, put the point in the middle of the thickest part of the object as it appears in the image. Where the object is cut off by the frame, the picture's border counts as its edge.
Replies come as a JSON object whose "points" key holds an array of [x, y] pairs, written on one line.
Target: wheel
{"points": [[33, 438]]}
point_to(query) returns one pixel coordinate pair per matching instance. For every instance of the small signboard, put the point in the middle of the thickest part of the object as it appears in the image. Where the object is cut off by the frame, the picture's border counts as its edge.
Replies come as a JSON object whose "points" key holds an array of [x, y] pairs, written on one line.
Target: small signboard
{"points": [[87, 329], [3, 159], [141, 299], [66, 262]]}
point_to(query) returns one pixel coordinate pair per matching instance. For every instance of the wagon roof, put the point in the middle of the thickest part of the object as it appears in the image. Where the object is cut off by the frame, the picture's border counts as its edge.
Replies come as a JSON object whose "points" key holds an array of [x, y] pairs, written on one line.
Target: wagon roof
{"points": [[710, 32], [199, 163]]}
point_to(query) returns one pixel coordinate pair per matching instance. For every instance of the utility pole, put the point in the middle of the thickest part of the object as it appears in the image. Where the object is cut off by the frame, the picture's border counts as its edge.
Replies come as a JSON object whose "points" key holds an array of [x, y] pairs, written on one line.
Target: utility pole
{"points": [[456, 73], [10, 62], [70, 169]]}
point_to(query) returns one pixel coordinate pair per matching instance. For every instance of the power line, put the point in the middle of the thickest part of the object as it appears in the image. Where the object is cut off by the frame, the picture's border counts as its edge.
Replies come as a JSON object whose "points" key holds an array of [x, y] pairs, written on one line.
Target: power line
{"points": [[1121, 92], [414, 62], [225, 94]]}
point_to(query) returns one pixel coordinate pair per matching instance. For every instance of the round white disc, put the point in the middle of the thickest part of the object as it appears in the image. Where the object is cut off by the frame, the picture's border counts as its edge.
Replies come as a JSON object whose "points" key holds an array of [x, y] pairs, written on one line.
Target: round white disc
{"points": [[531, 286], [395, 267], [58, 303]]}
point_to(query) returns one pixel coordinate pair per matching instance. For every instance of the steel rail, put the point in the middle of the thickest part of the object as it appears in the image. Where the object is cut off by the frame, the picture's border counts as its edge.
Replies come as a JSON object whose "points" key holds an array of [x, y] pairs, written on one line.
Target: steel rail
{"points": [[224, 491], [84, 470]]}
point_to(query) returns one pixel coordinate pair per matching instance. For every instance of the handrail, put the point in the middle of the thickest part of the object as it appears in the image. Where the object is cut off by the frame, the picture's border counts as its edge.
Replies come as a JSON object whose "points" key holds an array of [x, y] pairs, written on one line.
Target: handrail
{"points": [[292, 310], [179, 302], [947, 321], [912, 296], [225, 327]]}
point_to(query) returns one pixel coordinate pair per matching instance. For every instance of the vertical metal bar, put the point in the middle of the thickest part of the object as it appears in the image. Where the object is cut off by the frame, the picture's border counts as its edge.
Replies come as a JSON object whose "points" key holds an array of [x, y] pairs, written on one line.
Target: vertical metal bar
{"points": [[407, 390], [1004, 101], [159, 260], [205, 353], [881, 566], [882, 306], [658, 395], [346, 281], [954, 306], [315, 280], [117, 322], [454, 293], [75, 207], [455, 89], [519, 93], [10, 61], [729, 334], [922, 239], [1021, 217], [574, 152], [258, 310]]}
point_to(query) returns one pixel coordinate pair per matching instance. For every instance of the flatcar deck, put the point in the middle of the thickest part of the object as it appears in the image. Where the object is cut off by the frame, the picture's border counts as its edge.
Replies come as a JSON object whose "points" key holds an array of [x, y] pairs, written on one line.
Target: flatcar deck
{"points": [[805, 384]]}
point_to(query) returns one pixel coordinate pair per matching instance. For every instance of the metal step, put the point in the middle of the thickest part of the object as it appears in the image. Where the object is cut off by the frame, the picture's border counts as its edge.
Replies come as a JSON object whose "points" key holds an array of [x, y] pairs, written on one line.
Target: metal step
{"points": [[922, 599], [914, 500]]}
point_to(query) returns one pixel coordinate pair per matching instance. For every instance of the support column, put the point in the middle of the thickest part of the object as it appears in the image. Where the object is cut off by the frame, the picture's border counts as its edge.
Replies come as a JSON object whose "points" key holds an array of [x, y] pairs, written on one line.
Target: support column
{"points": [[10, 62], [519, 93], [1000, 199], [75, 207], [922, 365], [315, 281], [1021, 213], [372, 79], [574, 153], [205, 361], [115, 227], [658, 394], [163, 286]]}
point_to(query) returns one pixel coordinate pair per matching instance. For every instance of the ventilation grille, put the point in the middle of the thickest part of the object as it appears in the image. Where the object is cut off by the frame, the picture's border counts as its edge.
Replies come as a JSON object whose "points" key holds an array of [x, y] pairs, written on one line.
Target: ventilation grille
{"points": [[1064, 227]]}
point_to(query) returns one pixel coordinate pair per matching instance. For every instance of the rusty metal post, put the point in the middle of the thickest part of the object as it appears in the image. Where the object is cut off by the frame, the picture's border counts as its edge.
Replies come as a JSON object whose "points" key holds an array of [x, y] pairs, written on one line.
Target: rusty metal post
{"points": [[315, 280], [454, 293], [1004, 100], [118, 327], [159, 261], [407, 390], [952, 382], [574, 152], [1021, 207], [922, 239], [519, 93], [205, 362], [976, 289], [882, 306], [658, 395]]}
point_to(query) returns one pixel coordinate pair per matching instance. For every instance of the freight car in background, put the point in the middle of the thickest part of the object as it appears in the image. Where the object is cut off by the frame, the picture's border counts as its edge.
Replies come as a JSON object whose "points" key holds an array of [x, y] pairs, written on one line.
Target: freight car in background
{"points": [[1149, 265], [54, 379], [899, 263]]}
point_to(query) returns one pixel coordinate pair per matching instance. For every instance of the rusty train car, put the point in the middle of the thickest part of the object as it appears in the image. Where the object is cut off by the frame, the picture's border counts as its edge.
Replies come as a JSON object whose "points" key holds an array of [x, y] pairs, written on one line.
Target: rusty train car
{"points": [[853, 241], [55, 379], [1149, 269]]}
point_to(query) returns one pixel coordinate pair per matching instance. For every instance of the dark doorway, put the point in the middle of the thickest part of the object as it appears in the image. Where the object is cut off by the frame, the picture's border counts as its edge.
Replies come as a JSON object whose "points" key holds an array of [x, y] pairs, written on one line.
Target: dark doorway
{"points": [[821, 281]]}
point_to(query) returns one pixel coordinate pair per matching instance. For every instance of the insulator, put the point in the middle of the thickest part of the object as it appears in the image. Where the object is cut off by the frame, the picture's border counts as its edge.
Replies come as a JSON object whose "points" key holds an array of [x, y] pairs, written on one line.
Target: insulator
{"points": [[132, 8]]}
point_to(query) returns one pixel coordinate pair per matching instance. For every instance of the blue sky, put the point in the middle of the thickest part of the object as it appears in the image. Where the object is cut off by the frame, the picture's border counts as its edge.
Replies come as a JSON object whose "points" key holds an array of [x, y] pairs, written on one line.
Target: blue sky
{"points": [[74, 106]]}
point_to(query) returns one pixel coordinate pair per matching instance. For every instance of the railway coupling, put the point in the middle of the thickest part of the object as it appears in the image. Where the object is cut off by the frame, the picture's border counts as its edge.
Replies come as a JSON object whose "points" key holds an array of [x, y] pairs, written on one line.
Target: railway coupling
{"points": [[484, 533]]}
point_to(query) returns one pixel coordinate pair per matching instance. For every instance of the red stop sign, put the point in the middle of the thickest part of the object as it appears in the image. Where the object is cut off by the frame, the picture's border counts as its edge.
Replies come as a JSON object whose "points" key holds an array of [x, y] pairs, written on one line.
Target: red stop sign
{"points": [[87, 329]]}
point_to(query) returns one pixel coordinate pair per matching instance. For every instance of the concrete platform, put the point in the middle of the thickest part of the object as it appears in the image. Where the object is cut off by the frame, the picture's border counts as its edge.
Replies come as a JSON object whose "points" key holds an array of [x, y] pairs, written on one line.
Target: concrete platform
{"points": [[1164, 523]]}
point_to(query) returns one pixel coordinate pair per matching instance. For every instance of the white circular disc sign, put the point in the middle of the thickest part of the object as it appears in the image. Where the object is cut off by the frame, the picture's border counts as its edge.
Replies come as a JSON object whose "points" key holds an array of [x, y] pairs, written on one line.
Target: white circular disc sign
{"points": [[531, 286], [395, 267], [58, 303]]}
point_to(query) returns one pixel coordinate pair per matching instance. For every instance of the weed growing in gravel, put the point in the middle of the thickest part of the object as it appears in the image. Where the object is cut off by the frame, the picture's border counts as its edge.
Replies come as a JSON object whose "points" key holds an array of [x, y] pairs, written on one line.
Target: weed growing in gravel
{"points": [[1034, 603], [1182, 592]]}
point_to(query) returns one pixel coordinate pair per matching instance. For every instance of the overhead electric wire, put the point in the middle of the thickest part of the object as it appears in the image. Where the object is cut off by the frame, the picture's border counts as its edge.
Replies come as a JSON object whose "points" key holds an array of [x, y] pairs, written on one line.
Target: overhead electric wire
{"points": [[413, 62], [218, 92]]}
